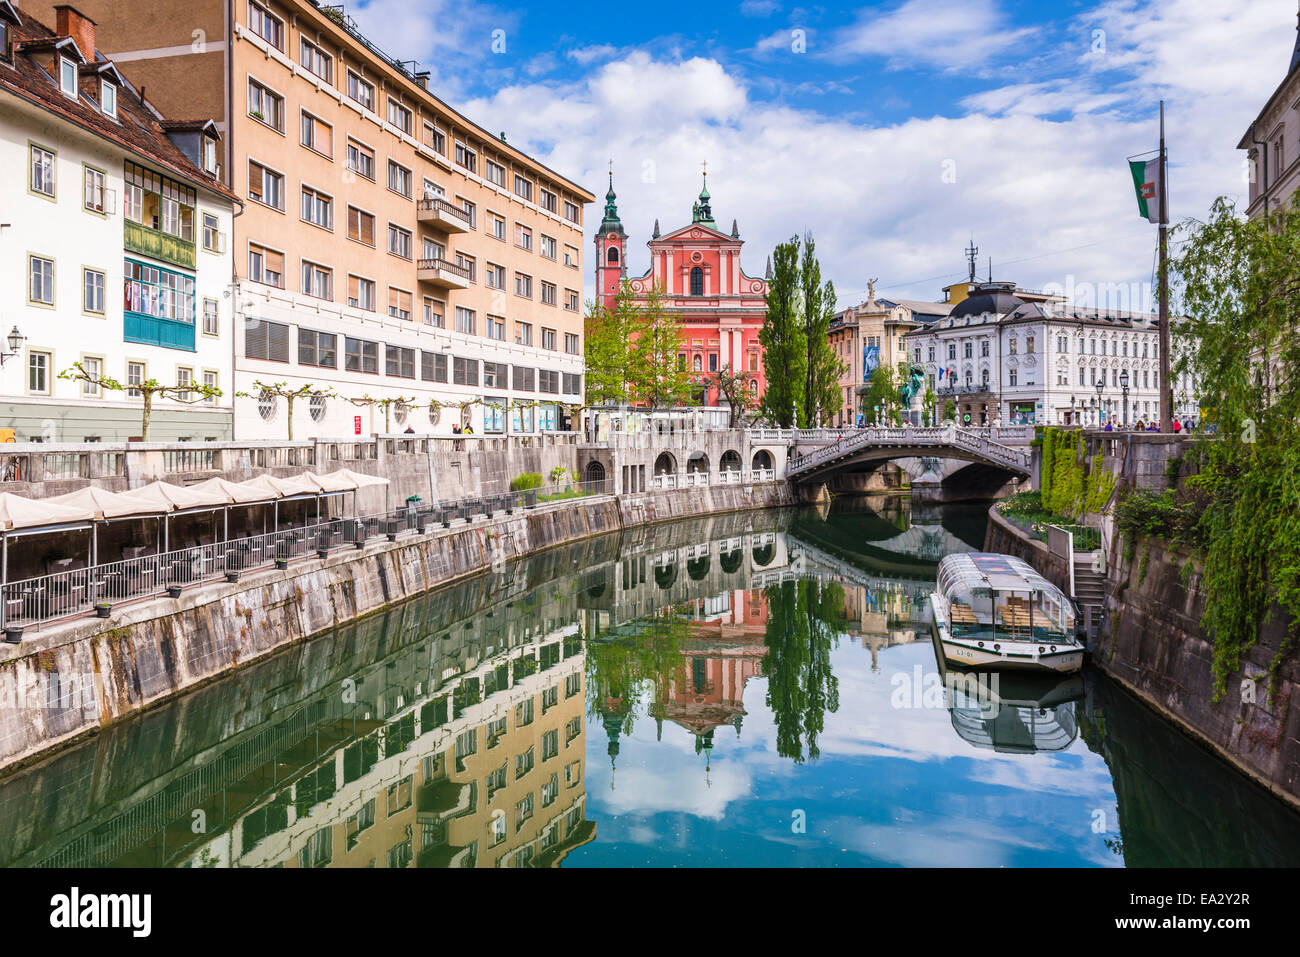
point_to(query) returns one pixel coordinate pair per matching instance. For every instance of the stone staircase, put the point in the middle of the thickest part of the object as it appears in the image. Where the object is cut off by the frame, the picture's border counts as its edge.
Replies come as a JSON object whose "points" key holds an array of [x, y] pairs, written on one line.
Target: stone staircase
{"points": [[1090, 593]]}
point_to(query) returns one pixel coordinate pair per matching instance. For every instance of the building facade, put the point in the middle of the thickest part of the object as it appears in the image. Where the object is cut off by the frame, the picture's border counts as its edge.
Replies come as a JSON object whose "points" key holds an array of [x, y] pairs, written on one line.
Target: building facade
{"points": [[697, 269], [113, 197], [404, 266], [1272, 164], [1003, 361]]}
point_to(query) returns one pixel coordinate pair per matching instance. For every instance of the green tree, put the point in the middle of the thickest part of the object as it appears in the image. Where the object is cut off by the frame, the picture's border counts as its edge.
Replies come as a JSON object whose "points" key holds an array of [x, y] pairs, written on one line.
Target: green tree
{"points": [[785, 348], [608, 349], [822, 398], [188, 393], [658, 378], [879, 401], [733, 388], [290, 394], [1238, 282]]}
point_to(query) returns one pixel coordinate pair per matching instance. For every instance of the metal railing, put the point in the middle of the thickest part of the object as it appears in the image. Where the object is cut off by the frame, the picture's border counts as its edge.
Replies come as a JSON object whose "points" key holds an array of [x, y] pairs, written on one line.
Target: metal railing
{"points": [[436, 203]]}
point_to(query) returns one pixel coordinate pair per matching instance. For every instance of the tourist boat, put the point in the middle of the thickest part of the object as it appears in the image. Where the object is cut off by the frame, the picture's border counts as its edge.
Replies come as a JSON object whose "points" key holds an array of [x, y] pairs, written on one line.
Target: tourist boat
{"points": [[995, 611]]}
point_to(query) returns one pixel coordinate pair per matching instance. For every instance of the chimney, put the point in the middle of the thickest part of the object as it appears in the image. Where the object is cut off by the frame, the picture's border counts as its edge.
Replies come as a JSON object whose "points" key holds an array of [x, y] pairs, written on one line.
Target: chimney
{"points": [[72, 23]]}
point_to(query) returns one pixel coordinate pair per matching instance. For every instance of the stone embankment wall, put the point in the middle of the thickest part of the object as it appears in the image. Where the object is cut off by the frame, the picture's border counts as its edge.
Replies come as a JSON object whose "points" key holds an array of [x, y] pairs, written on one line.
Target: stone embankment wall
{"points": [[88, 673], [1153, 644]]}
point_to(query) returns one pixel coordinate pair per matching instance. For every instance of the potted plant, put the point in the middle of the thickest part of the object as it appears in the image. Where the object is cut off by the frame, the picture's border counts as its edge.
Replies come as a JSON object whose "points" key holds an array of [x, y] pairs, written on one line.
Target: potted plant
{"points": [[13, 634], [103, 609]]}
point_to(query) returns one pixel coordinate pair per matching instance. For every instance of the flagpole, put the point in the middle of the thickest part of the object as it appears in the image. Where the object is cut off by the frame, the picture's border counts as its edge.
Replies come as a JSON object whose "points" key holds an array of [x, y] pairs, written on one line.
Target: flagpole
{"points": [[1166, 387]]}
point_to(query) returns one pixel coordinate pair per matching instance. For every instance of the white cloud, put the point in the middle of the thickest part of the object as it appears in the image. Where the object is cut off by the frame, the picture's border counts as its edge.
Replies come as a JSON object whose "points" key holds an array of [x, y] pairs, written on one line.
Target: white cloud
{"points": [[759, 8], [953, 35]]}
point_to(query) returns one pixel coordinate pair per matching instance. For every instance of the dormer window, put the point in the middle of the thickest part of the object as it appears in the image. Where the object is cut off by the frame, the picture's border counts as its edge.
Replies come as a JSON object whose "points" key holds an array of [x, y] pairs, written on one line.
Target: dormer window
{"points": [[108, 97], [210, 155], [68, 77]]}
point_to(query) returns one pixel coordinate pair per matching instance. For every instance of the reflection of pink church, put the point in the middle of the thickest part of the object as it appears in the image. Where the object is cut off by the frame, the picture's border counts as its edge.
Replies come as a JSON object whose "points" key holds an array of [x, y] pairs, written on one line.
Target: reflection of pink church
{"points": [[698, 269]]}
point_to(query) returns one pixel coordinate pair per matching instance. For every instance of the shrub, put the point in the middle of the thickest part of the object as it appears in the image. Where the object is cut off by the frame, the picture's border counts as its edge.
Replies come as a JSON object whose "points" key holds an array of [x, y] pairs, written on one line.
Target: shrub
{"points": [[527, 481]]}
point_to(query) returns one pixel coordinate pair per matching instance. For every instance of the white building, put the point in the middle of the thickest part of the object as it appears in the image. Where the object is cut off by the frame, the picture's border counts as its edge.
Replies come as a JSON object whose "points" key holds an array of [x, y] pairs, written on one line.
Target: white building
{"points": [[1002, 360], [101, 186]]}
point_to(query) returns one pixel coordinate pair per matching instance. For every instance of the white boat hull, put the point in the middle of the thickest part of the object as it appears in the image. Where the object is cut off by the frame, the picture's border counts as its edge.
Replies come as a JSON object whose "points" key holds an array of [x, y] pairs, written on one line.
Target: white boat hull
{"points": [[1003, 655]]}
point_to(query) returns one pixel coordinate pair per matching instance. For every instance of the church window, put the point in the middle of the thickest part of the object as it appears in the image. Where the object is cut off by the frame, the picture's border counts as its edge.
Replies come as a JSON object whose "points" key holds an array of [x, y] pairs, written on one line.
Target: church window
{"points": [[697, 281], [612, 255]]}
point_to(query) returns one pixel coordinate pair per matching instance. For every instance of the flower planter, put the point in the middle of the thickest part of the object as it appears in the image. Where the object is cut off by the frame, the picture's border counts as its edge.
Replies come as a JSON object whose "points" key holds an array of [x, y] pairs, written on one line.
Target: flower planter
{"points": [[322, 553], [173, 591], [13, 635], [232, 577], [103, 611], [281, 563]]}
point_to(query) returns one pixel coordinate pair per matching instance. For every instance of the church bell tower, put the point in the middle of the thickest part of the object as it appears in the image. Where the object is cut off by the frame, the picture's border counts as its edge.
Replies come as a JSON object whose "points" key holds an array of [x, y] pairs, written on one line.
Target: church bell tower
{"points": [[611, 250]]}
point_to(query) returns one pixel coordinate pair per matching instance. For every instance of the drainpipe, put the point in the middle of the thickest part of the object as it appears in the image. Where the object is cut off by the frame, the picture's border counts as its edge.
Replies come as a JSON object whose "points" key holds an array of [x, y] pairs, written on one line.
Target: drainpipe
{"points": [[1264, 152]]}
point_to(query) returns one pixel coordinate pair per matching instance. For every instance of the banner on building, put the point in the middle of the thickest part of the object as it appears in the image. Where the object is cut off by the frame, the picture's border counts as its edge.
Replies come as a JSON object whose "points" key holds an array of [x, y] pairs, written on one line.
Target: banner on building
{"points": [[870, 361]]}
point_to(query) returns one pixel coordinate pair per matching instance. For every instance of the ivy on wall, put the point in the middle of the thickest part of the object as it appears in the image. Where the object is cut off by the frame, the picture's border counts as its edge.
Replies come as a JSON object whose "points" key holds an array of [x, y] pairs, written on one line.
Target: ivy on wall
{"points": [[1070, 484]]}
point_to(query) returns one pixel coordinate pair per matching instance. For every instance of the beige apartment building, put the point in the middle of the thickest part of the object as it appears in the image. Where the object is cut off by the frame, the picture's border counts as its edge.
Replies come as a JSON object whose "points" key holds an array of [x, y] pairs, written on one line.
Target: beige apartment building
{"points": [[408, 268]]}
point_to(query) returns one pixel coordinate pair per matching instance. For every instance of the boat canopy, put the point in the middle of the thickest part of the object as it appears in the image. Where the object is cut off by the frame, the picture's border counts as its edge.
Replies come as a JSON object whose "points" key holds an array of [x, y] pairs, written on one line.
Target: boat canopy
{"points": [[1001, 596]]}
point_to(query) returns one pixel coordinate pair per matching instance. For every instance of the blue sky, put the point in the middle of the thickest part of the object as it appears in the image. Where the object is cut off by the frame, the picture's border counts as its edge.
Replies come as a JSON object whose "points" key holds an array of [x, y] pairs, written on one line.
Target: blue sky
{"points": [[892, 130]]}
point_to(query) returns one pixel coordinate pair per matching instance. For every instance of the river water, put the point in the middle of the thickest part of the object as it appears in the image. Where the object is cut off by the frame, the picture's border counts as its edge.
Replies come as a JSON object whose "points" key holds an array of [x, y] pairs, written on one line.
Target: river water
{"points": [[753, 689]]}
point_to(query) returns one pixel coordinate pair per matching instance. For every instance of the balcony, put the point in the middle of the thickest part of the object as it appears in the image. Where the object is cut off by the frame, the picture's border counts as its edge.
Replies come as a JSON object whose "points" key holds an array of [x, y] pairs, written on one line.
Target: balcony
{"points": [[442, 215], [158, 245], [440, 273]]}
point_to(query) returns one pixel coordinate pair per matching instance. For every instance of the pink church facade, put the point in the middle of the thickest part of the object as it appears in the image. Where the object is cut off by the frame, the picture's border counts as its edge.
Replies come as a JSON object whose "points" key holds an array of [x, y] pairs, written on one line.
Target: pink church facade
{"points": [[698, 269]]}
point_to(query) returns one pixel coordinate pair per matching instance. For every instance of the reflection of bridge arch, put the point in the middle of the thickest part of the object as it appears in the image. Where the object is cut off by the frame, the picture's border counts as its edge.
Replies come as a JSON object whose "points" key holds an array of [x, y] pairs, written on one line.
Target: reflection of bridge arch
{"points": [[698, 567], [697, 462], [665, 576], [763, 554], [731, 561], [730, 461], [665, 464]]}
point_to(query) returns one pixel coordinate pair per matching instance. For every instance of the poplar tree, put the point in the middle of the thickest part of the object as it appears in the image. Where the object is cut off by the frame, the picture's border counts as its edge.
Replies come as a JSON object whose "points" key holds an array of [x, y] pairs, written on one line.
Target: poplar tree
{"points": [[822, 398], [785, 348]]}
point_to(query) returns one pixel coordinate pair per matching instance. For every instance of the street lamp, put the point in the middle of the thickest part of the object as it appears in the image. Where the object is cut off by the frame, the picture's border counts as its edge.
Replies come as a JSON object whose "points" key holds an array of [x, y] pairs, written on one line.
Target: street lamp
{"points": [[1100, 386], [1123, 384], [16, 340]]}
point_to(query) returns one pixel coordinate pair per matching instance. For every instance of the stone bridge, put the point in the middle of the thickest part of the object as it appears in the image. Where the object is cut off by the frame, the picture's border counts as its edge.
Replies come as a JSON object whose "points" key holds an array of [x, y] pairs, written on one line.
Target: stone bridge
{"points": [[937, 450]]}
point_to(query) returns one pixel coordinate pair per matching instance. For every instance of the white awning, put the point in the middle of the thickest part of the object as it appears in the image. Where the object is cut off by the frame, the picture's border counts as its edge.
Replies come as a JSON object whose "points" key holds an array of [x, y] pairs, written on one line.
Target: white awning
{"points": [[236, 493], [18, 512], [106, 504], [171, 498], [332, 482], [283, 487], [360, 479]]}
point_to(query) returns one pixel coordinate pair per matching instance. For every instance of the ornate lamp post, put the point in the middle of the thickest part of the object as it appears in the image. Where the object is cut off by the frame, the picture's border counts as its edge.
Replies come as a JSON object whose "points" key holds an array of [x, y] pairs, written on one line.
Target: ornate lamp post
{"points": [[1100, 385], [1123, 384], [15, 340]]}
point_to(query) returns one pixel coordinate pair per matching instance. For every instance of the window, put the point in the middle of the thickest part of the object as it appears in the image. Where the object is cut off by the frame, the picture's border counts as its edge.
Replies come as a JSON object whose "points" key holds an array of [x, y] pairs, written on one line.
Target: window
{"points": [[317, 349], [212, 238], [571, 212], [317, 281], [432, 249], [361, 160], [399, 179], [523, 764], [548, 381], [361, 226], [68, 77], [93, 286], [471, 211], [360, 91], [524, 333], [546, 246], [550, 745], [399, 241], [469, 264], [549, 202], [270, 28], [38, 372], [94, 367], [316, 61], [494, 276], [433, 367], [548, 293], [265, 106], [1011, 377], [41, 287], [317, 135], [359, 355], [1029, 344], [399, 362], [523, 285], [134, 376], [465, 320], [266, 340], [433, 312], [495, 173], [317, 208], [497, 226], [184, 377], [496, 329], [466, 157], [361, 293], [548, 338], [697, 281], [968, 350], [523, 237], [523, 188], [399, 304], [42, 172], [571, 300], [571, 257], [524, 378], [108, 97], [265, 186], [572, 348], [211, 319], [400, 116], [464, 371], [713, 362], [434, 139], [94, 198], [265, 266]]}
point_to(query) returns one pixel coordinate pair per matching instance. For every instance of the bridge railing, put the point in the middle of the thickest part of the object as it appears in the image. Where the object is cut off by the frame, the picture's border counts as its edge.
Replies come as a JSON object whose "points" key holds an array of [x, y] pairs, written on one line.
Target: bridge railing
{"points": [[976, 441]]}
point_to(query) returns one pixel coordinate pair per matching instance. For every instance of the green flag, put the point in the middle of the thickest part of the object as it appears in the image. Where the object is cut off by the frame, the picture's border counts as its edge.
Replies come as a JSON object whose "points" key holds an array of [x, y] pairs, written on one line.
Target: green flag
{"points": [[1146, 180]]}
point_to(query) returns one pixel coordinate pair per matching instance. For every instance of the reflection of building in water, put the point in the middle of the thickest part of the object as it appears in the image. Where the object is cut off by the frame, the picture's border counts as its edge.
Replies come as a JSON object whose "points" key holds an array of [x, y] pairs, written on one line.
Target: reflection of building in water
{"points": [[487, 771]]}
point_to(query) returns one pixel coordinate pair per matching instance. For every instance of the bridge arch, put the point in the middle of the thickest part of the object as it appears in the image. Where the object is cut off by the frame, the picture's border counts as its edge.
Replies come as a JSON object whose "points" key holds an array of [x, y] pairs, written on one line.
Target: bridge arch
{"points": [[665, 464], [697, 462], [730, 461], [762, 460]]}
